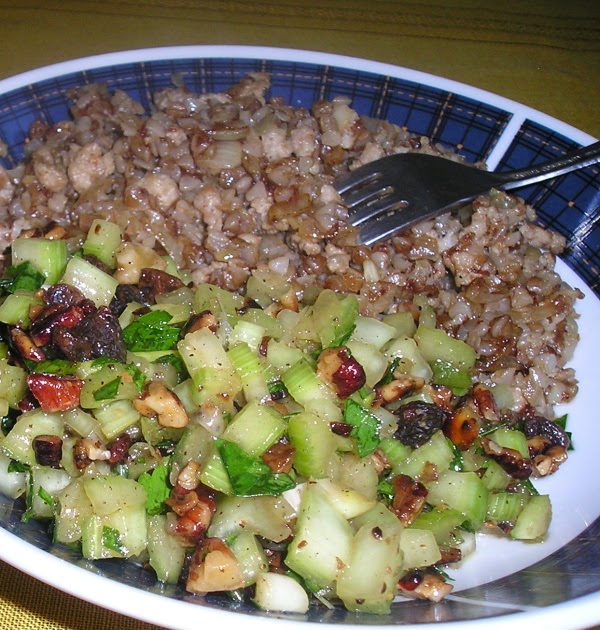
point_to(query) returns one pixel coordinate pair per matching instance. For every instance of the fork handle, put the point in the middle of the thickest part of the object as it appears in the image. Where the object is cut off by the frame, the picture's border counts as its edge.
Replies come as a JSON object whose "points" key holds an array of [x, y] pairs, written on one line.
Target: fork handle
{"points": [[584, 156]]}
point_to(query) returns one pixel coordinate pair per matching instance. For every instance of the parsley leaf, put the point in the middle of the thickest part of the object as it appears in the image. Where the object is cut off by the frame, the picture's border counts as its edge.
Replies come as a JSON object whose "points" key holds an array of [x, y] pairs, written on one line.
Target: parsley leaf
{"points": [[108, 390], [150, 332], [249, 476], [139, 380], [111, 539], [17, 467], [365, 427], [47, 498], [157, 487], [24, 276], [54, 366]]}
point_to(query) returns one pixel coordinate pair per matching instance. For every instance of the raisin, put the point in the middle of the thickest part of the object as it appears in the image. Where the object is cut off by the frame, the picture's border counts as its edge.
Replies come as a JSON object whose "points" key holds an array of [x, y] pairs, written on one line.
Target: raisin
{"points": [[417, 422], [538, 425]]}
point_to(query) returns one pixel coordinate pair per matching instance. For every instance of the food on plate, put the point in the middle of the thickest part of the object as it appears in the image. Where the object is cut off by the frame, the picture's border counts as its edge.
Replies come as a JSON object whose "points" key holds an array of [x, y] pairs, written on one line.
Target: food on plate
{"points": [[204, 372]]}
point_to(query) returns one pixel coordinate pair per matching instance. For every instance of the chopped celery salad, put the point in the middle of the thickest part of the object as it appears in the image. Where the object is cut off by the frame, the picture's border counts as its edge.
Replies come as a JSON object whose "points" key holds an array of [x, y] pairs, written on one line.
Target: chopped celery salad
{"points": [[278, 447]]}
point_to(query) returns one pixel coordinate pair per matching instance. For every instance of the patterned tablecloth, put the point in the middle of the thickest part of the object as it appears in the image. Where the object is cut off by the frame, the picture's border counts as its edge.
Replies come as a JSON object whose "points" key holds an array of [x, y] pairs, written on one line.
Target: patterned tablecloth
{"points": [[543, 54]]}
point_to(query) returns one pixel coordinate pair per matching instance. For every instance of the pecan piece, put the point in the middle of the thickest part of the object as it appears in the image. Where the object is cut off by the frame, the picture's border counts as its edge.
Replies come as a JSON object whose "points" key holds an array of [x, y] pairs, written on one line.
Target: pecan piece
{"points": [[511, 460], [55, 393], [160, 402], [48, 450], [409, 498]]}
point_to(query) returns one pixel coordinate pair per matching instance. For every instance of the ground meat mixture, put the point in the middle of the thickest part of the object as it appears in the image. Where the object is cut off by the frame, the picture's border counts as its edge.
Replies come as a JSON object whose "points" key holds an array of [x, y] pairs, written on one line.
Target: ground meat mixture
{"points": [[231, 182]]}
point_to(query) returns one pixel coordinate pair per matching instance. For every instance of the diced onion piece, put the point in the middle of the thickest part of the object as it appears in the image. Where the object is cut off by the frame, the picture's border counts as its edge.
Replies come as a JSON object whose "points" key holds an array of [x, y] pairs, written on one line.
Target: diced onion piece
{"points": [[280, 593]]}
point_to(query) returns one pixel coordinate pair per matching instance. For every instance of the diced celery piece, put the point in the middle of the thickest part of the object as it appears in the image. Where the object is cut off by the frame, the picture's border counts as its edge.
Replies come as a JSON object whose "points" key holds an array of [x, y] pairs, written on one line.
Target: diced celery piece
{"points": [[358, 473], [419, 548], [271, 326], [334, 318], [74, 508], [255, 428], [534, 519], [195, 445], [91, 281], [495, 477], [250, 555], [214, 474], [47, 255], [395, 452], [511, 438], [440, 522], [46, 485], [110, 493], [313, 442], [83, 423], [436, 451], [322, 541], [92, 396], [281, 356], [505, 506], [264, 516], [409, 358], [372, 590], [303, 384], [373, 332], [266, 287], [166, 555], [14, 310], [13, 383], [116, 417], [102, 241], [461, 491], [435, 343], [403, 323], [210, 368], [372, 361], [128, 525], [247, 332], [250, 371], [221, 303], [12, 484], [277, 592], [347, 501], [18, 443]]}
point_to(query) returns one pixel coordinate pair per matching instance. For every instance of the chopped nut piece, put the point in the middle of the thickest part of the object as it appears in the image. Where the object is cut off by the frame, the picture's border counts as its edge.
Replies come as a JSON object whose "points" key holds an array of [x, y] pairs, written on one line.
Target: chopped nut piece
{"points": [[462, 427], [164, 404], [213, 568], [511, 460], [396, 388], [409, 498], [48, 450]]}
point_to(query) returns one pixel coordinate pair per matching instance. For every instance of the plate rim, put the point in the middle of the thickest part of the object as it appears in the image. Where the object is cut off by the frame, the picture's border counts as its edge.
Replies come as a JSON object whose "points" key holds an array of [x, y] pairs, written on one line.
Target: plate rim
{"points": [[112, 595]]}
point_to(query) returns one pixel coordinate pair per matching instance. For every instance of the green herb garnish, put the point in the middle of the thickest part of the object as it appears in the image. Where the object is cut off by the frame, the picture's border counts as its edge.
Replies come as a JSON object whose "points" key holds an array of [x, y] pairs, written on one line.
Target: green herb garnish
{"points": [[150, 332], [24, 277], [111, 539], [249, 476], [158, 489], [108, 390], [365, 427], [61, 367]]}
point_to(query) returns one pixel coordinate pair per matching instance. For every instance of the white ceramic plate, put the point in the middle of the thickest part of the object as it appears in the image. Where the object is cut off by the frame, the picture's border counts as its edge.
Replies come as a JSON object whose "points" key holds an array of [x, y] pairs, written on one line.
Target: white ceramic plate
{"points": [[576, 505]]}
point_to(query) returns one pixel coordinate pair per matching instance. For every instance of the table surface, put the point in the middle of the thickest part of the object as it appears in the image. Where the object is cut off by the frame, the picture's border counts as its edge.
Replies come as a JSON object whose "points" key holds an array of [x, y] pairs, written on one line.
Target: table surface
{"points": [[544, 54]]}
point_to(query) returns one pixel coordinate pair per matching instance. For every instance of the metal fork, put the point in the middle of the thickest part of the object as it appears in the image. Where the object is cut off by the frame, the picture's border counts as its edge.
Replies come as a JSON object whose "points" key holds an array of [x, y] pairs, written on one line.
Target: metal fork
{"points": [[397, 191]]}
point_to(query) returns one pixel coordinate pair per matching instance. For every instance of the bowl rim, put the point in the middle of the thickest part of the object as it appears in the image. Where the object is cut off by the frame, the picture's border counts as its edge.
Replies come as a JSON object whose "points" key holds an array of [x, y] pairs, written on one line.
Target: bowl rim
{"points": [[181, 615]]}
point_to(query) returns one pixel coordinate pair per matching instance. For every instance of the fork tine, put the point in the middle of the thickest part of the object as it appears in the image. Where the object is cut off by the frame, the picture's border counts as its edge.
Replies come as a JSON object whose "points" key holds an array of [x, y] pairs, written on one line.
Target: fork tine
{"points": [[362, 176], [392, 200], [388, 225]]}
